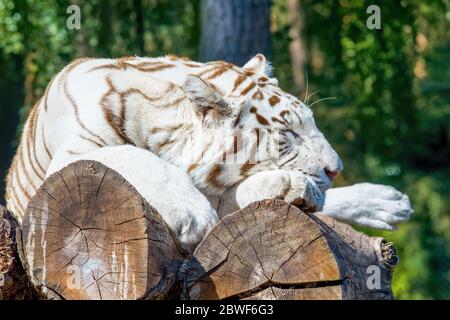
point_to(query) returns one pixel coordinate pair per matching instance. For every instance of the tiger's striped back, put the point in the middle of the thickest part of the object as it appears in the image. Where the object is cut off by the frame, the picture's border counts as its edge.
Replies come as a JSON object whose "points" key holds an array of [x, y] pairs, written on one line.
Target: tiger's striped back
{"points": [[168, 105]]}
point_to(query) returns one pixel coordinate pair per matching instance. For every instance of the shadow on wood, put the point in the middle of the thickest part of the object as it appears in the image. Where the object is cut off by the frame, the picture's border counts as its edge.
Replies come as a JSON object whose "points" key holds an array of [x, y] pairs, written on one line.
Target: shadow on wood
{"points": [[88, 234]]}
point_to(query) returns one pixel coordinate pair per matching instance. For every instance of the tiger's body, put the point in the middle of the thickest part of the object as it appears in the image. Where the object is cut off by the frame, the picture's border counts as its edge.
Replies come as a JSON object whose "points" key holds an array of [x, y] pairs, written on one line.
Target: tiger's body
{"points": [[144, 116]]}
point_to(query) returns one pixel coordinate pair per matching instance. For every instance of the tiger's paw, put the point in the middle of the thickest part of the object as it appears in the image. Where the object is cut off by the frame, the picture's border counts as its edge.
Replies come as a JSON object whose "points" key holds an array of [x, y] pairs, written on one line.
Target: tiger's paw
{"points": [[290, 186], [369, 205]]}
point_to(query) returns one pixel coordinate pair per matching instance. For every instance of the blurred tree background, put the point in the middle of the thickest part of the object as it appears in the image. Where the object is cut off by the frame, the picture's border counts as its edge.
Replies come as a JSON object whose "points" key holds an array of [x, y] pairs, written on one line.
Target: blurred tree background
{"points": [[389, 119]]}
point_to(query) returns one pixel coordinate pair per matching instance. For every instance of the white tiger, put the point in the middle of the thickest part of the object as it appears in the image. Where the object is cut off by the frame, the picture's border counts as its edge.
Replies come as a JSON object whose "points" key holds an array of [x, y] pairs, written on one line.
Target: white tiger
{"points": [[197, 140]]}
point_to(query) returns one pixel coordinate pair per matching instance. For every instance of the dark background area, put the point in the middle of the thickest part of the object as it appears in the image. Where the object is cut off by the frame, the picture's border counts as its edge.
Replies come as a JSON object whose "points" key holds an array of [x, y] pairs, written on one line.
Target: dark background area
{"points": [[389, 118]]}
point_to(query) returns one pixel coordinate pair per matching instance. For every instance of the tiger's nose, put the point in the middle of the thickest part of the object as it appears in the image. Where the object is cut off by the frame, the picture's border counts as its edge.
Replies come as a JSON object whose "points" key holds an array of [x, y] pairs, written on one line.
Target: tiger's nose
{"points": [[332, 174]]}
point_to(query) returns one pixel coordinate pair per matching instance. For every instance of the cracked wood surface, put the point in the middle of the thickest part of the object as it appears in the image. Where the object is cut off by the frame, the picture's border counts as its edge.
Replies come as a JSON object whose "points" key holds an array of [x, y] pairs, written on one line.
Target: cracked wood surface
{"points": [[272, 250], [88, 234]]}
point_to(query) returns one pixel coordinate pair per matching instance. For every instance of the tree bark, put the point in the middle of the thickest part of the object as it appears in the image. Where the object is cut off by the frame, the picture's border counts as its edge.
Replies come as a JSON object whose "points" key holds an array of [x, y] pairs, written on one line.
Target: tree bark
{"points": [[139, 10], [88, 234], [297, 47], [235, 30], [14, 283]]}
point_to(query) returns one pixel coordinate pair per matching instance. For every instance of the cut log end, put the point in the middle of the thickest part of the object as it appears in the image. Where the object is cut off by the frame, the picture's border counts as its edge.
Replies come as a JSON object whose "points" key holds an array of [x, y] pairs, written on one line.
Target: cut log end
{"points": [[14, 283], [88, 234], [272, 250]]}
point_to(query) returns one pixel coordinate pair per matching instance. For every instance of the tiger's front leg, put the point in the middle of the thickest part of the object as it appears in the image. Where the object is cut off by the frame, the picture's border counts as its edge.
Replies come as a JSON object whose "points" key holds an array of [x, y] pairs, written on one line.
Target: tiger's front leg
{"points": [[290, 186], [367, 204], [166, 188]]}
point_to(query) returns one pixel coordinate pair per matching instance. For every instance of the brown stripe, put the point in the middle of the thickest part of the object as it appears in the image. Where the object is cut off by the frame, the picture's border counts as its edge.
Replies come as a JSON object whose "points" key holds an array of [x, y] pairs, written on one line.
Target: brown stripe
{"points": [[201, 155], [113, 66], [74, 105], [116, 123], [10, 174], [161, 145], [45, 144], [70, 67], [258, 95], [110, 118], [155, 68], [238, 118], [217, 72], [213, 176], [172, 57], [192, 65], [246, 168], [259, 117], [205, 71], [46, 93], [91, 141], [127, 58], [28, 149], [34, 119], [249, 73], [282, 113], [248, 88], [279, 121], [273, 100], [19, 204], [192, 167], [22, 189], [73, 153], [24, 170], [123, 64], [257, 137], [174, 103], [238, 81]]}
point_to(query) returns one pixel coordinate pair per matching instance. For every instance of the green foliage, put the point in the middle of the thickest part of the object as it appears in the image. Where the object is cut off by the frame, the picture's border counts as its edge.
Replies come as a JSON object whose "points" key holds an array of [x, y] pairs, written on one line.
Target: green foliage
{"points": [[390, 120]]}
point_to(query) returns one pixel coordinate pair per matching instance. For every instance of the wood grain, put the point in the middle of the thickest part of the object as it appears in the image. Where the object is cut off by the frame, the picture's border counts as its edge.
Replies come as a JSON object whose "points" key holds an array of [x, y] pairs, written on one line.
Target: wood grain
{"points": [[273, 250], [88, 234]]}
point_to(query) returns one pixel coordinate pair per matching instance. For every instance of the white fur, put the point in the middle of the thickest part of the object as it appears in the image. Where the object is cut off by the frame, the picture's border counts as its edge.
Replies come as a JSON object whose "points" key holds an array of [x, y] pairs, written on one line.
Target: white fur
{"points": [[370, 205], [166, 188]]}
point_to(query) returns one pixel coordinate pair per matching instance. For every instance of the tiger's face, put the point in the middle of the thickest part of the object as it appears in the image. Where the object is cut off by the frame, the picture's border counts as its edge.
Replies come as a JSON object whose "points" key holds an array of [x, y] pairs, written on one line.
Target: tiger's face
{"points": [[291, 138], [257, 127]]}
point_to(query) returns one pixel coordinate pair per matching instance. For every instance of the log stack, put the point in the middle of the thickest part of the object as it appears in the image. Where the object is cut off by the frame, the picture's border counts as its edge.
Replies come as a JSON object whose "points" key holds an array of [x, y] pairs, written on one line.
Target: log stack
{"points": [[88, 234]]}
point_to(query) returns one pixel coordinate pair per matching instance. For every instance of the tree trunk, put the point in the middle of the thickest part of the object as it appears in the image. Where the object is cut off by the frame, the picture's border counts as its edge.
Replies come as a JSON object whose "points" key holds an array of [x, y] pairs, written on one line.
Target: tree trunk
{"points": [[297, 47], [88, 234], [272, 250], [235, 30], [139, 10]]}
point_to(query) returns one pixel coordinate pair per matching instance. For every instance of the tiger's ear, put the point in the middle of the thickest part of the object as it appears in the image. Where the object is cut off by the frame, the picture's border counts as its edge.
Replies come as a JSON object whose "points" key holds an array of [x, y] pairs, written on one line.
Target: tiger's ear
{"points": [[258, 64], [206, 98]]}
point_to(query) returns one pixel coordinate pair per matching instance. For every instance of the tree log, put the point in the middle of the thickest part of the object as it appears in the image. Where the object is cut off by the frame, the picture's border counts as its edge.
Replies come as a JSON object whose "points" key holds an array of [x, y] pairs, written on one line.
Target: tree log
{"points": [[14, 283], [272, 250], [88, 234]]}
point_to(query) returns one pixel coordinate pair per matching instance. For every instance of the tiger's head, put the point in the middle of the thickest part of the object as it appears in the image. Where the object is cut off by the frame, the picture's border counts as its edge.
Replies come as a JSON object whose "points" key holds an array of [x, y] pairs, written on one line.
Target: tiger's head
{"points": [[250, 125]]}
